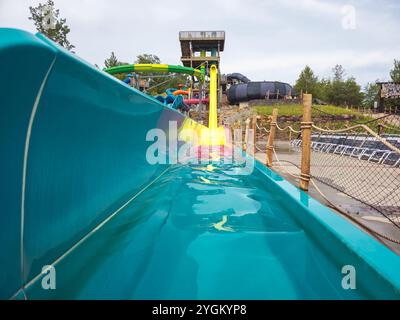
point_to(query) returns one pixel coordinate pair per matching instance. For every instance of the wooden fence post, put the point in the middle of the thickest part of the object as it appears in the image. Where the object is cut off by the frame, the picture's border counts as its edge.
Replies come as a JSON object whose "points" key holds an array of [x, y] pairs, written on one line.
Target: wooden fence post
{"points": [[306, 126], [380, 129], [246, 134], [254, 127], [271, 137]]}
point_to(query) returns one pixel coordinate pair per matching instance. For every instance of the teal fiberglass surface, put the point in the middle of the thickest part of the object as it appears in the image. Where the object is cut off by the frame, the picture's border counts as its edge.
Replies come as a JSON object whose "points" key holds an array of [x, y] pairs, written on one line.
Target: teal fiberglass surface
{"points": [[188, 233], [166, 245], [86, 135]]}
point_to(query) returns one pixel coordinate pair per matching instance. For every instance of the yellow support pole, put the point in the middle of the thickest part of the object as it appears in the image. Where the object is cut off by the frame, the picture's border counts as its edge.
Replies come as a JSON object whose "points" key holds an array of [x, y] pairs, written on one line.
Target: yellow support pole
{"points": [[212, 119], [214, 135]]}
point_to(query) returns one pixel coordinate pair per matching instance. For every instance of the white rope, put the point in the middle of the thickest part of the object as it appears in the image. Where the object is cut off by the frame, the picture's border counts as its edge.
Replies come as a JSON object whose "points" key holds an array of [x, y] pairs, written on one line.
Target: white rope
{"points": [[262, 128], [283, 167], [259, 149], [288, 127]]}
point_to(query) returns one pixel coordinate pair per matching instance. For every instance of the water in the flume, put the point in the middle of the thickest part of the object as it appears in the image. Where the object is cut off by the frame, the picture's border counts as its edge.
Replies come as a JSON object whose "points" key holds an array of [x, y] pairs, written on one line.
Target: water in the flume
{"points": [[202, 232]]}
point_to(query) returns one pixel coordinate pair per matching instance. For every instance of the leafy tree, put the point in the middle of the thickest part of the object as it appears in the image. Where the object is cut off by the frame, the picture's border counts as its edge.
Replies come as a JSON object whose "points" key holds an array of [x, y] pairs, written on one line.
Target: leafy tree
{"points": [[335, 92], [307, 82], [147, 58], [341, 91], [48, 22], [395, 72], [371, 92], [322, 88], [176, 81], [352, 93], [336, 89], [158, 83]]}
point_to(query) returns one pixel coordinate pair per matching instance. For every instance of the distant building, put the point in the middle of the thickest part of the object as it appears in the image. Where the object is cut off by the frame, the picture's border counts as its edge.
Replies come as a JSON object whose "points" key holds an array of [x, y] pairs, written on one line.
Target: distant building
{"points": [[387, 90]]}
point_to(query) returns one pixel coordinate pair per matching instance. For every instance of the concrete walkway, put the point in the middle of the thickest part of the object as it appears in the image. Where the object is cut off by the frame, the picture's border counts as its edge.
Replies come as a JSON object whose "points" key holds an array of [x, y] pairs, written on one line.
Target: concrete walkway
{"points": [[357, 210]]}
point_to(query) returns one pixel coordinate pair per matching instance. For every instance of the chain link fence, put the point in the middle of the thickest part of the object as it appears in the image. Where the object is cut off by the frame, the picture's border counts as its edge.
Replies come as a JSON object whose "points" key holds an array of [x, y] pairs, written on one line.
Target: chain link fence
{"points": [[356, 156]]}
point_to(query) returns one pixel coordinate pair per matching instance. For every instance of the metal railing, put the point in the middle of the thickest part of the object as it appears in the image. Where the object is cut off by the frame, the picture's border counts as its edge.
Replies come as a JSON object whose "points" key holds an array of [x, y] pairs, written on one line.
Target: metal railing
{"points": [[379, 156]]}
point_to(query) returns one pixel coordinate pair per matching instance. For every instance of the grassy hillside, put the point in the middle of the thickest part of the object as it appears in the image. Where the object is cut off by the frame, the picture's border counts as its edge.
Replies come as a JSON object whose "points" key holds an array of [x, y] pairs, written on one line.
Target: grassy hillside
{"points": [[325, 116], [297, 110]]}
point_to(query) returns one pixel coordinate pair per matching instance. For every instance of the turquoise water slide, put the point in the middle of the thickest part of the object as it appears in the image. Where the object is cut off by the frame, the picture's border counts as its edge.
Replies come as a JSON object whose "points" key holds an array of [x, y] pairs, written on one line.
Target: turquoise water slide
{"points": [[77, 193]]}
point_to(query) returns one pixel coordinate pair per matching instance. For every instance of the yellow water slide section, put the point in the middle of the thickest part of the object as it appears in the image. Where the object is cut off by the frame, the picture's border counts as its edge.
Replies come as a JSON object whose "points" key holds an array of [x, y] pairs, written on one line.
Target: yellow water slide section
{"points": [[151, 67], [214, 135], [191, 131]]}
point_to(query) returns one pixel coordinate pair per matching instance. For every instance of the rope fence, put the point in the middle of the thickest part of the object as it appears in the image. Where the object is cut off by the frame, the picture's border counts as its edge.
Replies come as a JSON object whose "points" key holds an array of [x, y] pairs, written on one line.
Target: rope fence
{"points": [[357, 158]]}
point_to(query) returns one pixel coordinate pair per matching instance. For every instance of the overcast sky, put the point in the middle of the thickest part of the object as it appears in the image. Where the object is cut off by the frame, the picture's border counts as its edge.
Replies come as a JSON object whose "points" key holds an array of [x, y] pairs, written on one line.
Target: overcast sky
{"points": [[265, 40]]}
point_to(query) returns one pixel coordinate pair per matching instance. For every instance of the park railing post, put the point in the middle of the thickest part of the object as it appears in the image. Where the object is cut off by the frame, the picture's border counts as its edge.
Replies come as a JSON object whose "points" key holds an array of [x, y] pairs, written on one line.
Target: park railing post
{"points": [[254, 137], [271, 137], [380, 129], [246, 135], [306, 126]]}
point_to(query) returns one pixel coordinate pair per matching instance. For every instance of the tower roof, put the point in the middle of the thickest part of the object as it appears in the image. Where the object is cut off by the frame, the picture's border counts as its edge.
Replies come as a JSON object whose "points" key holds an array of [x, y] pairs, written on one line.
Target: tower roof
{"points": [[193, 42], [203, 39]]}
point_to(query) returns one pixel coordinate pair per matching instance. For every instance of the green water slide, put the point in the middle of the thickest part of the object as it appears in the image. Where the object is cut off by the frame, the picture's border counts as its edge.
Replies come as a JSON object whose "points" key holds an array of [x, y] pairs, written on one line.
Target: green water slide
{"points": [[163, 68], [79, 194]]}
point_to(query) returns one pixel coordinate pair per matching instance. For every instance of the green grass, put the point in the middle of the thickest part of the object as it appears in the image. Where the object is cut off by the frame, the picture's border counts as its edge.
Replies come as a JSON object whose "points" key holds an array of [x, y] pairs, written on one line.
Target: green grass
{"points": [[324, 116], [297, 110]]}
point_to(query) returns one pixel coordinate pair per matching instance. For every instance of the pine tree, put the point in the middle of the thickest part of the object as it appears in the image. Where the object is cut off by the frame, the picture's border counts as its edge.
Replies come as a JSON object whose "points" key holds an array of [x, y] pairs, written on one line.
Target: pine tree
{"points": [[395, 77], [371, 92], [338, 73], [395, 72], [112, 61], [307, 82]]}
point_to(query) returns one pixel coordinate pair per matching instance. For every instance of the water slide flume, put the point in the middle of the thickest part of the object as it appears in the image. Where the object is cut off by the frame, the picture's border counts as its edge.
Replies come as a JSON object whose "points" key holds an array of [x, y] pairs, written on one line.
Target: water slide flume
{"points": [[196, 101], [183, 92], [211, 136], [161, 68], [78, 193]]}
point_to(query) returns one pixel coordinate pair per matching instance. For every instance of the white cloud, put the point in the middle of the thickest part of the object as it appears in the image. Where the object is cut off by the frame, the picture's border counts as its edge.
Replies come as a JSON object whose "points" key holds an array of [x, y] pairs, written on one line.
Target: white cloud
{"points": [[270, 39], [276, 66], [314, 6]]}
